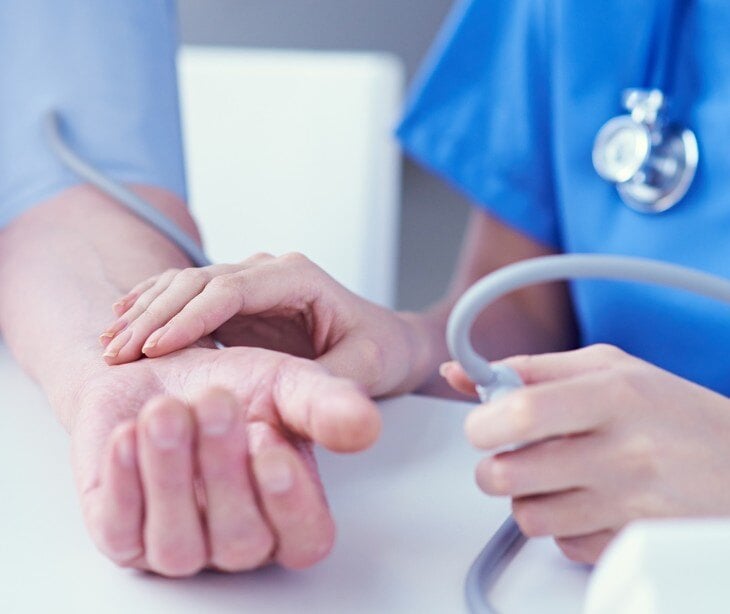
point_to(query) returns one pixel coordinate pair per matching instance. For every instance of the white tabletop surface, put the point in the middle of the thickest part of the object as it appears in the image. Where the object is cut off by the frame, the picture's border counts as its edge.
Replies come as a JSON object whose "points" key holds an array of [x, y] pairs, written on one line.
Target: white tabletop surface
{"points": [[410, 521]]}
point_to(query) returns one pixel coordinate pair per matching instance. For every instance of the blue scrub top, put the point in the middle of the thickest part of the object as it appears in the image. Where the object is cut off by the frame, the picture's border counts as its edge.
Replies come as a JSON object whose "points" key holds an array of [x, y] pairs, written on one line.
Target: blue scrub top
{"points": [[507, 108], [109, 69]]}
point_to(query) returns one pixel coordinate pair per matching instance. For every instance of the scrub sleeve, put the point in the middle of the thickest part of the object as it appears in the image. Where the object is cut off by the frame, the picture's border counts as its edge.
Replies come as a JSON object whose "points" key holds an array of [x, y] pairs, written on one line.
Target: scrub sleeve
{"points": [[478, 115]]}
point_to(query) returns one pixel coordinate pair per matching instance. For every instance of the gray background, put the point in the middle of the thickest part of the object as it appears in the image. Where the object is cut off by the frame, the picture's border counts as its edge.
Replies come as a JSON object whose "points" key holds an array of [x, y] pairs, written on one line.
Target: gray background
{"points": [[433, 215]]}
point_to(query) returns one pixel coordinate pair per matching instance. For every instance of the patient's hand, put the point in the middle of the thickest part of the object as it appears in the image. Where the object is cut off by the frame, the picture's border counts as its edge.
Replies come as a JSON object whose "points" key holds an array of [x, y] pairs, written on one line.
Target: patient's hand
{"points": [[286, 304], [176, 474]]}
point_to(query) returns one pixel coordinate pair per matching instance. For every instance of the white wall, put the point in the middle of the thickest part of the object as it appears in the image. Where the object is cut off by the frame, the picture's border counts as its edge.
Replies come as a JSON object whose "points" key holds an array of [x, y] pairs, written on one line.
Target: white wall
{"points": [[433, 214]]}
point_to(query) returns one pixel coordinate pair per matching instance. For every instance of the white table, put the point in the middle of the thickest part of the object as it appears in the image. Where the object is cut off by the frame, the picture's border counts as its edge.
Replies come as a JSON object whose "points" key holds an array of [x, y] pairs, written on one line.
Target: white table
{"points": [[410, 522]]}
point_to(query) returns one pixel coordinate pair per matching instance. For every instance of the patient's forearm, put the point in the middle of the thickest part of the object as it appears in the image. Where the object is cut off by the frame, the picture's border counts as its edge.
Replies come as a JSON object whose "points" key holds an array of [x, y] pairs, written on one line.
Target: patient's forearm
{"points": [[62, 265]]}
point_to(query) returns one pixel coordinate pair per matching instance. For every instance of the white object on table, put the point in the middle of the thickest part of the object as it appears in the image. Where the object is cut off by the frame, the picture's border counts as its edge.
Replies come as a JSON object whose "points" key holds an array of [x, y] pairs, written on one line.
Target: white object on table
{"points": [[664, 567], [410, 521], [294, 151]]}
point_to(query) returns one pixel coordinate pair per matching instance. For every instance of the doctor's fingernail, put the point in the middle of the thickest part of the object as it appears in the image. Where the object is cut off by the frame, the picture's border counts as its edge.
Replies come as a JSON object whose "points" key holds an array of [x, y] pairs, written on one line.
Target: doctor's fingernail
{"points": [[275, 473], [115, 328], [119, 306], [117, 344], [153, 339]]}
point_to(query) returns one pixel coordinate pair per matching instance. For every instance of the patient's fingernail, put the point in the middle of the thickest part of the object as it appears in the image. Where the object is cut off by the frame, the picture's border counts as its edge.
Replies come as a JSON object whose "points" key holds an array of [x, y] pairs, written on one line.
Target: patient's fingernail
{"points": [[166, 429], [126, 452], [275, 473], [117, 344], [217, 418], [153, 339]]}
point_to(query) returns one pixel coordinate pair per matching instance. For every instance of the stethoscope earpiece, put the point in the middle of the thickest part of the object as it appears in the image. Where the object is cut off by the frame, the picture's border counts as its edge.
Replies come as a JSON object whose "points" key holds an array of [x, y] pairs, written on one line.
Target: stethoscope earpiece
{"points": [[652, 163]]}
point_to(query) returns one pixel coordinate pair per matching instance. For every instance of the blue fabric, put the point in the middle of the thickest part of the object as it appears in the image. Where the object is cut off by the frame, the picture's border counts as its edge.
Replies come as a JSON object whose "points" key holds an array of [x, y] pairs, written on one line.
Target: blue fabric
{"points": [[109, 68], [507, 108]]}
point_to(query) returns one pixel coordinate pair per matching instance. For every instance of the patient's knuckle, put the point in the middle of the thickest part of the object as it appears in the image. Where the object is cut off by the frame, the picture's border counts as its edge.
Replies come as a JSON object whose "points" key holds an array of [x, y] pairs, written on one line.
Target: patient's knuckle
{"points": [[176, 560], [296, 259], [243, 553]]}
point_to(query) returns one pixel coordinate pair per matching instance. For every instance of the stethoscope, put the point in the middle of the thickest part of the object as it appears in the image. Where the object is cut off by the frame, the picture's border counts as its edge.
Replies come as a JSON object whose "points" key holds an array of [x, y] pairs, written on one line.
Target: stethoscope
{"points": [[651, 160]]}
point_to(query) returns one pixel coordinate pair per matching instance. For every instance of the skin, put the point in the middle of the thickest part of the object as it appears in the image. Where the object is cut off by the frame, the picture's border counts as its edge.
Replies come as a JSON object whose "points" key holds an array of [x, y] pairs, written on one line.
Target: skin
{"points": [[611, 439], [605, 437], [163, 485], [386, 352]]}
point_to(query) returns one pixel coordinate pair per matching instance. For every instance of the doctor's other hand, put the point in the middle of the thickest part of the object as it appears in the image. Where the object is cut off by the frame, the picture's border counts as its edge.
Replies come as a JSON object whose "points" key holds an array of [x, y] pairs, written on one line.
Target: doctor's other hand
{"points": [[285, 303], [611, 439], [225, 479]]}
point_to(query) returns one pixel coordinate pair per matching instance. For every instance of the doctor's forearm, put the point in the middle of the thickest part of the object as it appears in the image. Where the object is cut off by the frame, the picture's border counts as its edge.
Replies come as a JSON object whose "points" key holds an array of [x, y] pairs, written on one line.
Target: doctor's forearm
{"points": [[532, 321], [62, 265]]}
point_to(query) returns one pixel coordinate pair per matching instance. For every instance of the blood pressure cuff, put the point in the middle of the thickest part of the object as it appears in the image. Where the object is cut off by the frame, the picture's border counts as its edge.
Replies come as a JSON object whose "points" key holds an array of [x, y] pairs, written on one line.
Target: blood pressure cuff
{"points": [[109, 69], [478, 112]]}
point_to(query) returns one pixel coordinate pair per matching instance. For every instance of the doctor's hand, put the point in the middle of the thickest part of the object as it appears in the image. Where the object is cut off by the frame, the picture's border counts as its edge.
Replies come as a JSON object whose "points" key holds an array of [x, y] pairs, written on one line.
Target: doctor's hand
{"points": [[203, 458], [284, 303], [611, 439]]}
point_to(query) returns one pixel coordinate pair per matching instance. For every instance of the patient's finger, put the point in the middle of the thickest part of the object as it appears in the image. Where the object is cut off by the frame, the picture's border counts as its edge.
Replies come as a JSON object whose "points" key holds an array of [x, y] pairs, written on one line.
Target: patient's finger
{"points": [[292, 497], [334, 412], [173, 531], [117, 522], [238, 536]]}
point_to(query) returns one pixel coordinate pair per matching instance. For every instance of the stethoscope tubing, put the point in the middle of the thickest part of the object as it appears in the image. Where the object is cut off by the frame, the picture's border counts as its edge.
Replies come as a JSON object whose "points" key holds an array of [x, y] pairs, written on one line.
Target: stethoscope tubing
{"points": [[137, 205]]}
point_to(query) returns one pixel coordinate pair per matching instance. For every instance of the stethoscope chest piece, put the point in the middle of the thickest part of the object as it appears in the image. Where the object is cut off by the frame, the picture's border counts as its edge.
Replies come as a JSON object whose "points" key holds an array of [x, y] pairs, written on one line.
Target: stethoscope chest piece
{"points": [[651, 162]]}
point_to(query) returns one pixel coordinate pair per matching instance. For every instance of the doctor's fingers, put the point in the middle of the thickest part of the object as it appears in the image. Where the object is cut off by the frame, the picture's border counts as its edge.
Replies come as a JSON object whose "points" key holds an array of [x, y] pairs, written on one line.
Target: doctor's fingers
{"points": [[569, 407], [154, 308], [126, 301], [585, 548], [457, 378], [292, 497], [570, 513], [540, 368], [551, 466], [285, 286]]}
